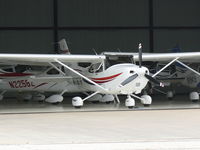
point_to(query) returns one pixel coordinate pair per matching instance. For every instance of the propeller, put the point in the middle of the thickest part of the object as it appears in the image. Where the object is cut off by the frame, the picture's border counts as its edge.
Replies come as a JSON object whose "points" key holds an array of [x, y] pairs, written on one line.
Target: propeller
{"points": [[140, 55], [150, 78], [153, 80]]}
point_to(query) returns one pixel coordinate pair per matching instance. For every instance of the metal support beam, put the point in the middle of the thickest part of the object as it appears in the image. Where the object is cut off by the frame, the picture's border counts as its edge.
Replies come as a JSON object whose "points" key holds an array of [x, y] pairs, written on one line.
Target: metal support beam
{"points": [[151, 31], [55, 24]]}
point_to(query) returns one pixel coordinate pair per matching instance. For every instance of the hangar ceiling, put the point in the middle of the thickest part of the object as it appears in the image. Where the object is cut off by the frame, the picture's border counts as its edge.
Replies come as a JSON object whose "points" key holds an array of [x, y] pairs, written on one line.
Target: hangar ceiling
{"points": [[34, 26]]}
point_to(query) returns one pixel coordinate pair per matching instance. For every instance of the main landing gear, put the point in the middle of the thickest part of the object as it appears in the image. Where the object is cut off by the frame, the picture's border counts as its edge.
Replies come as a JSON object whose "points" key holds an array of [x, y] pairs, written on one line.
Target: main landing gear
{"points": [[78, 102], [170, 95], [194, 96], [146, 100]]}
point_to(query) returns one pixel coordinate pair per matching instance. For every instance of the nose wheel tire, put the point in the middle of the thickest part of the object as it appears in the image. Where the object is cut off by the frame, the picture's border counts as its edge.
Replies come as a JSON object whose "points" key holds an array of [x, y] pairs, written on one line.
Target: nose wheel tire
{"points": [[130, 102]]}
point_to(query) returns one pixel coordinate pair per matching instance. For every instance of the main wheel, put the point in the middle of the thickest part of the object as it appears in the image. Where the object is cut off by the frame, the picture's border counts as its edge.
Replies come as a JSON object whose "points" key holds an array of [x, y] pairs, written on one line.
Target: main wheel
{"points": [[146, 100], [170, 95], [56, 103], [146, 105], [95, 102], [194, 96]]}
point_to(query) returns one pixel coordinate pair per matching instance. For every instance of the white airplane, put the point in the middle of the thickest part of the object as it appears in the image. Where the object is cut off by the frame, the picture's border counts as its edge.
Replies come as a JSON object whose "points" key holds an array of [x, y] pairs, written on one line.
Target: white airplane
{"points": [[179, 75], [95, 74]]}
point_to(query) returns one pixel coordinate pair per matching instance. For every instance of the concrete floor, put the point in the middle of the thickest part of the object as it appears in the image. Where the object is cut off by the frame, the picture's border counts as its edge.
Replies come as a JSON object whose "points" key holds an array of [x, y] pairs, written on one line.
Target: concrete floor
{"points": [[119, 129], [12, 105], [162, 126]]}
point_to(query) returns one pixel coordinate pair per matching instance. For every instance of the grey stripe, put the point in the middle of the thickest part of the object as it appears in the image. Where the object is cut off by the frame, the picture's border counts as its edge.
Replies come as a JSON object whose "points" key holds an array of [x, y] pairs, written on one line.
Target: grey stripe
{"points": [[129, 79]]}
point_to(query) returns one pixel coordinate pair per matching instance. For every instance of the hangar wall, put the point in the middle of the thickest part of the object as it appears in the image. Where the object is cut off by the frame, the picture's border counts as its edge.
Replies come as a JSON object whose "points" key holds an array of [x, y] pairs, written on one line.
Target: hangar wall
{"points": [[33, 26]]}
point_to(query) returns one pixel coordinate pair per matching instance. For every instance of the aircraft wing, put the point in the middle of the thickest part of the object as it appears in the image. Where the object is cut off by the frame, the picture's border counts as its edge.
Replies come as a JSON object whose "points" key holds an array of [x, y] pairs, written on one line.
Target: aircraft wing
{"points": [[44, 59], [160, 57]]}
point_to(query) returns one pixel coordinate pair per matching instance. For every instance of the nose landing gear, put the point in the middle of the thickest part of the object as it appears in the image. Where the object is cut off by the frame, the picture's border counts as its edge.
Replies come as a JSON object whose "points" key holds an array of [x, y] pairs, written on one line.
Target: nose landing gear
{"points": [[130, 102]]}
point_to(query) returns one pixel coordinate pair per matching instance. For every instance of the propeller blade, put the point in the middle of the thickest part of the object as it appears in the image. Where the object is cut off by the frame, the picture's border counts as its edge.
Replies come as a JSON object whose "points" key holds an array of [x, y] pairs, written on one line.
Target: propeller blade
{"points": [[151, 79], [140, 55]]}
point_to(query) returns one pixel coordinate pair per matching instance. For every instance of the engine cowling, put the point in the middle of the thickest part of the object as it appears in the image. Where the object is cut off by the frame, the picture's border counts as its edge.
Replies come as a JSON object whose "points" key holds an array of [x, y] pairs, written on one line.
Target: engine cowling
{"points": [[54, 98], [77, 102]]}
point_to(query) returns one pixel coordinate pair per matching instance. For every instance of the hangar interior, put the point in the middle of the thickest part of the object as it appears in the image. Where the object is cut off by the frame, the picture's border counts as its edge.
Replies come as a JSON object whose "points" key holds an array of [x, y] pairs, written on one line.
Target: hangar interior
{"points": [[35, 26]]}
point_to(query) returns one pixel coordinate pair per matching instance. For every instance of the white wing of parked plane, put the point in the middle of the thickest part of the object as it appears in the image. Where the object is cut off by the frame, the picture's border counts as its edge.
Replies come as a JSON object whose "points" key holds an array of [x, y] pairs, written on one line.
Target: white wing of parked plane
{"points": [[160, 57], [43, 59]]}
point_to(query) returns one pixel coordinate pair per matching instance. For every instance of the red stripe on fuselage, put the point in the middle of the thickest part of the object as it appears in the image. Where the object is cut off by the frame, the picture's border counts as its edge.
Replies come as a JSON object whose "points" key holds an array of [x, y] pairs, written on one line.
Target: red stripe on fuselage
{"points": [[106, 78], [103, 81], [14, 74]]}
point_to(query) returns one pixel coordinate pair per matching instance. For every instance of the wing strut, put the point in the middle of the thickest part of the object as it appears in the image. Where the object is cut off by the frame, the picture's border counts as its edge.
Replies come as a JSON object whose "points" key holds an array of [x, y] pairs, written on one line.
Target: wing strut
{"points": [[57, 68], [165, 66], [90, 95], [188, 67], [84, 77]]}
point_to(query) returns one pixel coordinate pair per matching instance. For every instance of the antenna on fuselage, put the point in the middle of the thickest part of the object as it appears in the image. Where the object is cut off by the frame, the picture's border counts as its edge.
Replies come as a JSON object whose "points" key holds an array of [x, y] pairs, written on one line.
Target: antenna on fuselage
{"points": [[140, 54]]}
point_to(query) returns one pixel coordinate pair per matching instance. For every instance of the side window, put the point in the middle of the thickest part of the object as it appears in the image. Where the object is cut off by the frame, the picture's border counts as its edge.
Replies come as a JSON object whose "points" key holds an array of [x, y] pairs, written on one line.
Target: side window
{"points": [[8, 70], [53, 71], [63, 69]]}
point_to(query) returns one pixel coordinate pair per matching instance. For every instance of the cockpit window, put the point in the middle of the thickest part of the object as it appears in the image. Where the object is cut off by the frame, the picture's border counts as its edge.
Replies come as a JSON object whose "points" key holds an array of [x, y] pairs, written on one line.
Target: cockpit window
{"points": [[98, 67], [113, 60]]}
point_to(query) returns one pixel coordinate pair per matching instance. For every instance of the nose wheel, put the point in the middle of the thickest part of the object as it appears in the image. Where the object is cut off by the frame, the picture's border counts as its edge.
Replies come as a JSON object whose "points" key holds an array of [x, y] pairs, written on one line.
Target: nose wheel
{"points": [[130, 102], [146, 100]]}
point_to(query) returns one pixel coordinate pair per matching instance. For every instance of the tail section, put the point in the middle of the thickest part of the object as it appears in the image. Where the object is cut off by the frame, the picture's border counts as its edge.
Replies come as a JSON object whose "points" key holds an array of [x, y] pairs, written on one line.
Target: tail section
{"points": [[176, 49], [180, 69], [63, 47]]}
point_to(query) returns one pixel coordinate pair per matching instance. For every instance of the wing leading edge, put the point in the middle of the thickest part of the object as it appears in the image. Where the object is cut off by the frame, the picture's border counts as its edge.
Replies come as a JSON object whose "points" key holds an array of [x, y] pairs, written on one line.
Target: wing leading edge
{"points": [[43, 59], [161, 57]]}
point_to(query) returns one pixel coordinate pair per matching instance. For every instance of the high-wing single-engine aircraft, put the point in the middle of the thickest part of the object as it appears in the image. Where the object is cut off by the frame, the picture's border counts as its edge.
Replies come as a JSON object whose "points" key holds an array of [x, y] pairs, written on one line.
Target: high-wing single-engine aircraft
{"points": [[102, 76], [178, 75], [172, 68]]}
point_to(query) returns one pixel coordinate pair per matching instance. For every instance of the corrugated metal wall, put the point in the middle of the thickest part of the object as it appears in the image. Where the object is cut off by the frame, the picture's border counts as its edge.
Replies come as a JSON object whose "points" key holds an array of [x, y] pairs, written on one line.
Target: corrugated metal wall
{"points": [[33, 26]]}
